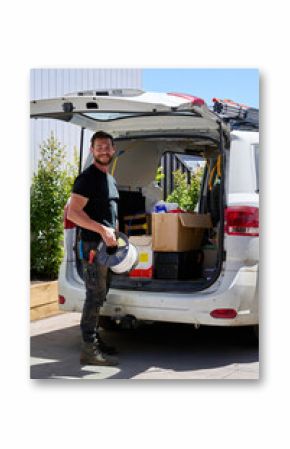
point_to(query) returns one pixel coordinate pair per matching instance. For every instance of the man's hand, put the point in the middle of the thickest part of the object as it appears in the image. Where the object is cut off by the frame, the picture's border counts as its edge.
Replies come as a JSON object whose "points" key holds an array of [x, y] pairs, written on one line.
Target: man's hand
{"points": [[109, 236]]}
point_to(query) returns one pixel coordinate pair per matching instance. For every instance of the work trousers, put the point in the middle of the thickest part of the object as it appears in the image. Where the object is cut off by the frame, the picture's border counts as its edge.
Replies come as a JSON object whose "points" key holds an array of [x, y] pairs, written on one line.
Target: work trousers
{"points": [[97, 281]]}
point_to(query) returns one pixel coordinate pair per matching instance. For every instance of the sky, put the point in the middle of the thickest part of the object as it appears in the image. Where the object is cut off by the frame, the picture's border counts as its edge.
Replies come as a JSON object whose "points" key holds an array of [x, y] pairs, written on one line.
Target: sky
{"points": [[240, 85]]}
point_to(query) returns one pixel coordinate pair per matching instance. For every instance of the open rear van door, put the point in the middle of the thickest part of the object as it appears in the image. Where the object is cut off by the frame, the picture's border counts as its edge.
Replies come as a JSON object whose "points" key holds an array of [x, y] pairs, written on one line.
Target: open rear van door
{"points": [[132, 112]]}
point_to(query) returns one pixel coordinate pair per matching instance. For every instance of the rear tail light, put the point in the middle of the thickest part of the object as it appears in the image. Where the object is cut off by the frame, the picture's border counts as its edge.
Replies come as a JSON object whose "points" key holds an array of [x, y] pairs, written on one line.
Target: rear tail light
{"points": [[242, 220], [194, 100], [67, 224], [61, 299], [224, 313]]}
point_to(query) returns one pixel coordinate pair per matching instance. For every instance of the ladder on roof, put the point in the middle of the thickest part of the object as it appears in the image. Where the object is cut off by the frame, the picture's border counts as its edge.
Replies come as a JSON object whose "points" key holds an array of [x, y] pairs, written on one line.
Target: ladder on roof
{"points": [[237, 115]]}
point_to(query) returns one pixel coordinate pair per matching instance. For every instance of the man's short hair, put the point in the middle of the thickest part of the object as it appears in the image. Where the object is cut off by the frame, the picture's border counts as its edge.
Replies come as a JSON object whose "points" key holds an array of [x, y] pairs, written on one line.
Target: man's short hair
{"points": [[101, 135]]}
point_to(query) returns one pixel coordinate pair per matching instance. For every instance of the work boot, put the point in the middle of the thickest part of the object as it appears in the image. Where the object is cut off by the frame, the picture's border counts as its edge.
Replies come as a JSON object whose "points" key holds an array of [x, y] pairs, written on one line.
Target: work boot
{"points": [[92, 355], [106, 349]]}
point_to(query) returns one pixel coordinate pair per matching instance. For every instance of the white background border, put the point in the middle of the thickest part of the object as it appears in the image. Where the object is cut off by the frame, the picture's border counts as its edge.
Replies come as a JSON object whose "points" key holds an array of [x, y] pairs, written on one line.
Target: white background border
{"points": [[126, 413]]}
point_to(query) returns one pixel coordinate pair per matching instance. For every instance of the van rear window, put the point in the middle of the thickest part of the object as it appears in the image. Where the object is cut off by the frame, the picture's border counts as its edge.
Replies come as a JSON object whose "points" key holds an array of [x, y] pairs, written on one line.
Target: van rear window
{"points": [[105, 116], [108, 116]]}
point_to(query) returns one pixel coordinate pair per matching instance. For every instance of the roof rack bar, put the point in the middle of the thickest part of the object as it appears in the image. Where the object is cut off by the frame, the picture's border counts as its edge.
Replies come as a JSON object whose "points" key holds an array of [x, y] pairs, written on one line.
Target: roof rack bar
{"points": [[106, 93]]}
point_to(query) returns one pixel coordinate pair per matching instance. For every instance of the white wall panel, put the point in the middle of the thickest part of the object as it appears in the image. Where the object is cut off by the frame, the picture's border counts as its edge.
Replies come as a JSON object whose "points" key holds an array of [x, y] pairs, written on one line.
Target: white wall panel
{"points": [[49, 83]]}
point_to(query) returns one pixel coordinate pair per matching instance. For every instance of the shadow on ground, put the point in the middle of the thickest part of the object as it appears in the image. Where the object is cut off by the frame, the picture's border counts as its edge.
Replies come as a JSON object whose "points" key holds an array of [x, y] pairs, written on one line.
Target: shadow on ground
{"points": [[174, 347]]}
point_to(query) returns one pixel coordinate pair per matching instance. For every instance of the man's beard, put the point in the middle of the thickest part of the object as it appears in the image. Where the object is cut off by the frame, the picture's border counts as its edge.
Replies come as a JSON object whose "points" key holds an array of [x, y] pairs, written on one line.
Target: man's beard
{"points": [[101, 162]]}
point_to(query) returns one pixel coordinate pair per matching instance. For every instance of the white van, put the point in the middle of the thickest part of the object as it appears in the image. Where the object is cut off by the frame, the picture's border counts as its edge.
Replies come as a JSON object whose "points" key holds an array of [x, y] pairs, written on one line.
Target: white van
{"points": [[145, 126]]}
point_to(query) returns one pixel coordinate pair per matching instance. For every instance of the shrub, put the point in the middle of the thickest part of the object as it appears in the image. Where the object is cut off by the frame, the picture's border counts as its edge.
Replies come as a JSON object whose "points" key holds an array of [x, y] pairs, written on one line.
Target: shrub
{"points": [[159, 175], [50, 190], [186, 196]]}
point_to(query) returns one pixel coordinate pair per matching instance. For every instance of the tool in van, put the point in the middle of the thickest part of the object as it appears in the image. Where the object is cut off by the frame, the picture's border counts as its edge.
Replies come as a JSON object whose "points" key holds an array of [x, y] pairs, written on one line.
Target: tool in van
{"points": [[119, 153], [215, 170], [92, 256], [81, 251]]}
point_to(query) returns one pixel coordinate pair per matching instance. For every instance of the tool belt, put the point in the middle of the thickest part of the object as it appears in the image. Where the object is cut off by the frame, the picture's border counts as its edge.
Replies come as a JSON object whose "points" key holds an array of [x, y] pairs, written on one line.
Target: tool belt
{"points": [[95, 275]]}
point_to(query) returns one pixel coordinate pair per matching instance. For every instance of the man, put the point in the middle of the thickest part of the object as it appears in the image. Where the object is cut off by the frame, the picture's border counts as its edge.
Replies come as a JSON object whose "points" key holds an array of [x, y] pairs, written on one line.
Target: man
{"points": [[93, 207]]}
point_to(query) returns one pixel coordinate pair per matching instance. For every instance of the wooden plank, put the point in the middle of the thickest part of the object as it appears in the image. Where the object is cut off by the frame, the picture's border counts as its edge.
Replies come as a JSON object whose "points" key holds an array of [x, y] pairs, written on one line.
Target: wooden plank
{"points": [[43, 293], [44, 311], [134, 217]]}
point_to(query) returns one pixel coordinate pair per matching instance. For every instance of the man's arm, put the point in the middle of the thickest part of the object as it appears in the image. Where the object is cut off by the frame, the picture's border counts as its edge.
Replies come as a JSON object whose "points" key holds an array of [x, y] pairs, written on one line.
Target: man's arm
{"points": [[77, 215]]}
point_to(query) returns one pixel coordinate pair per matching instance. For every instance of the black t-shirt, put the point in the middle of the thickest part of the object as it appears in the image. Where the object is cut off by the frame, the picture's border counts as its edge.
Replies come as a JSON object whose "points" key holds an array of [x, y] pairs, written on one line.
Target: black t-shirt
{"points": [[101, 190]]}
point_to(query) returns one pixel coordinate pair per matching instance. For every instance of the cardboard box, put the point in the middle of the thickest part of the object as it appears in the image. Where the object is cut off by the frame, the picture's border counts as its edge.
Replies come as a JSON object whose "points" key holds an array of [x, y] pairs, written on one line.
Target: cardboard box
{"points": [[143, 243], [178, 232]]}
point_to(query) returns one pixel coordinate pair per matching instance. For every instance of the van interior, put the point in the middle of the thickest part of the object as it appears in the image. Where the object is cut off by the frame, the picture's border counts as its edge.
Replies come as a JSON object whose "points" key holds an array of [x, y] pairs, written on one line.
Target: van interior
{"points": [[135, 168]]}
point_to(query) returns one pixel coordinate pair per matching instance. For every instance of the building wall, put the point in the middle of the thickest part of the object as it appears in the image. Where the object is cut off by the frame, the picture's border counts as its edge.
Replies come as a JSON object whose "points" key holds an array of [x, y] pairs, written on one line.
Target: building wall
{"points": [[50, 83]]}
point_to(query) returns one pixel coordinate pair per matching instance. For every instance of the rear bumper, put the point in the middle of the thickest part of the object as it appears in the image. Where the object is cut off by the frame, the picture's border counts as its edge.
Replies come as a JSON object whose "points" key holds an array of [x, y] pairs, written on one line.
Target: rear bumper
{"points": [[236, 290]]}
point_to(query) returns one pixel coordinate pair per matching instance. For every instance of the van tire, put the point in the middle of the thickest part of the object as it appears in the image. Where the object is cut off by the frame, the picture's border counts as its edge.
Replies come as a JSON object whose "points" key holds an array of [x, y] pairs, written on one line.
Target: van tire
{"points": [[251, 334], [107, 323], [255, 331]]}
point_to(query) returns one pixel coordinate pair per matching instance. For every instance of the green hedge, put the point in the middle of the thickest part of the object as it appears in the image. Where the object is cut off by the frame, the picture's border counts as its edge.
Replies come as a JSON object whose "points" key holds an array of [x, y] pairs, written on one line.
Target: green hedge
{"points": [[50, 190]]}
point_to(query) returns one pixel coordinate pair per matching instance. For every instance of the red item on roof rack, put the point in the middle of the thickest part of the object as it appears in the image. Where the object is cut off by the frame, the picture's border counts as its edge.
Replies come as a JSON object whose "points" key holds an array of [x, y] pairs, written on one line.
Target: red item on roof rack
{"points": [[194, 100], [236, 113], [231, 102]]}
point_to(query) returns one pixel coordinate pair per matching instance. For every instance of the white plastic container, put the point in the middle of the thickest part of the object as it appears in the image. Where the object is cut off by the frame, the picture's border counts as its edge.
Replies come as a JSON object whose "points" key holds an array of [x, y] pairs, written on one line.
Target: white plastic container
{"points": [[143, 244]]}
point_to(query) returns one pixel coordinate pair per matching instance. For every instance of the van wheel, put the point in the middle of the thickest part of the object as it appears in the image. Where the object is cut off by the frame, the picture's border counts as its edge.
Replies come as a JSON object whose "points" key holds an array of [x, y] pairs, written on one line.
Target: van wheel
{"points": [[252, 334], [107, 323], [255, 331]]}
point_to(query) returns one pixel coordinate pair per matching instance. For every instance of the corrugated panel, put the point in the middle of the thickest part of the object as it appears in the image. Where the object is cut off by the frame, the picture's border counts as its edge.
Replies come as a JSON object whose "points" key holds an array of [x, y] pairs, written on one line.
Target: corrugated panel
{"points": [[49, 83]]}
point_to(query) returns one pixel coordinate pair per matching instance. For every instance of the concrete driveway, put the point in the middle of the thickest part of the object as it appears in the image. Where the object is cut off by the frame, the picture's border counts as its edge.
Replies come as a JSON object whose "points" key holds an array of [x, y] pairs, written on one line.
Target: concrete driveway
{"points": [[159, 351]]}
